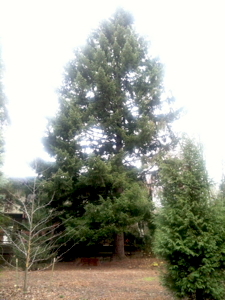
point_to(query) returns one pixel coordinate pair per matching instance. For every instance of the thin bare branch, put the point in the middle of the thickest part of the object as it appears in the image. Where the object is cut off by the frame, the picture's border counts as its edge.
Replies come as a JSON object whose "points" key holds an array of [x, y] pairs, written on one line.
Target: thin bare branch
{"points": [[44, 205]]}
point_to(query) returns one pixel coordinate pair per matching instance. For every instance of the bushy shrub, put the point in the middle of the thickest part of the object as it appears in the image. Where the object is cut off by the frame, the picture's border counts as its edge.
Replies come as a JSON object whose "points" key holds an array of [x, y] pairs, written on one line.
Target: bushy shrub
{"points": [[190, 228]]}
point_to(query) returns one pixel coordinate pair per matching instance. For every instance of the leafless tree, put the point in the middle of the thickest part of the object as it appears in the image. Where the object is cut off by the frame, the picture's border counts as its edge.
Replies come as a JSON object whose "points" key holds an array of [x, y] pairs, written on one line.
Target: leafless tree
{"points": [[37, 237]]}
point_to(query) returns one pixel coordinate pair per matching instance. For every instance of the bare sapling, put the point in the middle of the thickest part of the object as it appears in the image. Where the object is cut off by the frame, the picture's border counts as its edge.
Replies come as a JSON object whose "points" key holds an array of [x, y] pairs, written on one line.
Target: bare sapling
{"points": [[35, 241]]}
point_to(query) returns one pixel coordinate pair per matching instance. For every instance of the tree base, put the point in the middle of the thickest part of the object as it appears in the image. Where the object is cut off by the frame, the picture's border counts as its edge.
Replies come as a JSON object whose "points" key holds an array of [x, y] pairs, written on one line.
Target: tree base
{"points": [[116, 257]]}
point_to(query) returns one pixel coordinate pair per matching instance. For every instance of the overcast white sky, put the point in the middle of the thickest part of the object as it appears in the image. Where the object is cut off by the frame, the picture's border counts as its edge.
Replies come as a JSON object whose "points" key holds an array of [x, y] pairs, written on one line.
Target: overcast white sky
{"points": [[37, 38]]}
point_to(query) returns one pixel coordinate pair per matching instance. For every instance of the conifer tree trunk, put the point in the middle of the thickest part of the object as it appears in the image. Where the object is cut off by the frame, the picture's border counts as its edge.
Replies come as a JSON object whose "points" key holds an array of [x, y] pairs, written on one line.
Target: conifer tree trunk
{"points": [[118, 251], [199, 294]]}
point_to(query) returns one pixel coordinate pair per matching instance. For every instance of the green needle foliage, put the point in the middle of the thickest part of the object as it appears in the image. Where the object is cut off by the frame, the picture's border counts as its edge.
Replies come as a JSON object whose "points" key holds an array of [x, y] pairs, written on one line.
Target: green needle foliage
{"points": [[190, 227], [110, 116], [110, 212]]}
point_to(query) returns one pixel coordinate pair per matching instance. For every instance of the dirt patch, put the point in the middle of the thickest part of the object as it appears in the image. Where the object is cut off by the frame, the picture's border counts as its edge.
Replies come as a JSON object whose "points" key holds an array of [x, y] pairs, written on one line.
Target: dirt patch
{"points": [[130, 279]]}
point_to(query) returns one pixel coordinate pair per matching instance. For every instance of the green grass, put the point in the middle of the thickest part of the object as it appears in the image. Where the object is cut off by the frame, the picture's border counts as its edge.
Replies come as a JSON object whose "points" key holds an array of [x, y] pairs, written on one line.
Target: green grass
{"points": [[149, 278]]}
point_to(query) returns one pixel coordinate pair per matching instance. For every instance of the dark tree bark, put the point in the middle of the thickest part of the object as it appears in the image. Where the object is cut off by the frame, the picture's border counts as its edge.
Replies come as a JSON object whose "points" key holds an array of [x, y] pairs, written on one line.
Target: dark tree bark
{"points": [[118, 251], [199, 294]]}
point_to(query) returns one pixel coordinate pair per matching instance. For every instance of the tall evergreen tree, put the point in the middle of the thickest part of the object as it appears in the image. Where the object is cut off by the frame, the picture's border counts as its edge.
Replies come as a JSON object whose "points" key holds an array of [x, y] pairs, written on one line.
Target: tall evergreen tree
{"points": [[221, 195], [3, 111], [190, 227], [109, 118], [3, 123]]}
